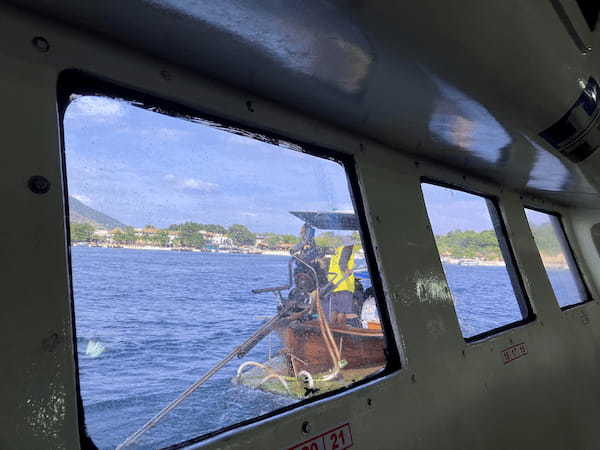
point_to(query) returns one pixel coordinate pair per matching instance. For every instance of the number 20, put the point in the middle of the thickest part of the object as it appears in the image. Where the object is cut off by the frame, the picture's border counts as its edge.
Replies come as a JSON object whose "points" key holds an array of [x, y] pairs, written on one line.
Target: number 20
{"points": [[313, 446]]}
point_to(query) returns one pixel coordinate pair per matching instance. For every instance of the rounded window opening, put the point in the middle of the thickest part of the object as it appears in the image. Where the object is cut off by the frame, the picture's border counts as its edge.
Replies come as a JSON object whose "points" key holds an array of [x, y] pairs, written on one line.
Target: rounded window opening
{"points": [[217, 278]]}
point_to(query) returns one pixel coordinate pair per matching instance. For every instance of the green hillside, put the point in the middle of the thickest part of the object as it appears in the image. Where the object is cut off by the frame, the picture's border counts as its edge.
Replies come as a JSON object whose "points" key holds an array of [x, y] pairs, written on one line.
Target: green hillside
{"points": [[484, 244], [81, 213], [469, 244]]}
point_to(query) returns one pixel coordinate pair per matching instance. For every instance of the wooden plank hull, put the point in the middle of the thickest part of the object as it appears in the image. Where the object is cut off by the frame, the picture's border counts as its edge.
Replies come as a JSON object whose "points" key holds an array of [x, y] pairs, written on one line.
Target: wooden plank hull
{"points": [[306, 347]]}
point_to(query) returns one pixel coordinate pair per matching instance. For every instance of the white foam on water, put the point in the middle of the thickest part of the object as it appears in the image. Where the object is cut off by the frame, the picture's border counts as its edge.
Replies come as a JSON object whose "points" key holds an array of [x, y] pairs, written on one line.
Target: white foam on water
{"points": [[94, 349]]}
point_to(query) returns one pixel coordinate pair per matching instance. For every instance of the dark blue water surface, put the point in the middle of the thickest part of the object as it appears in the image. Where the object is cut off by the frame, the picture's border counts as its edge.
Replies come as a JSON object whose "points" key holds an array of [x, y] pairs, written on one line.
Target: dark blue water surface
{"points": [[484, 298], [164, 318]]}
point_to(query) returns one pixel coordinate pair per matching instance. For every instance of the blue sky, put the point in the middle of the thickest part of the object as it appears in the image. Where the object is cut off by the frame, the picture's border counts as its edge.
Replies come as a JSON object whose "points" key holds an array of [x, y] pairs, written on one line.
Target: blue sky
{"points": [[145, 168], [449, 209]]}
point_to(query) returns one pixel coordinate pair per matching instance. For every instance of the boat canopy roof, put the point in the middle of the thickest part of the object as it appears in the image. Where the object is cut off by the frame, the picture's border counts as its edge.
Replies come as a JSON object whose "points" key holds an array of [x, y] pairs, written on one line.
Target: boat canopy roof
{"points": [[328, 220]]}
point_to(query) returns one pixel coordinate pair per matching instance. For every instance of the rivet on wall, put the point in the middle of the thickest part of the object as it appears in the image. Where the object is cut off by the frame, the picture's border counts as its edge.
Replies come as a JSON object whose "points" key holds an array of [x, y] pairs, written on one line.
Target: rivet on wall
{"points": [[306, 427], [38, 184], [41, 44]]}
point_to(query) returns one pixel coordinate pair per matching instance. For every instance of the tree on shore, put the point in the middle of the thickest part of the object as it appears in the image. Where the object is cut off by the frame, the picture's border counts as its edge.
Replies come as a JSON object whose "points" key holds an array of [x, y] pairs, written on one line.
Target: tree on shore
{"points": [[210, 227], [241, 235], [118, 237], [129, 235], [469, 244], [275, 240], [126, 236], [215, 228], [82, 232], [546, 240], [189, 235], [329, 240], [161, 238]]}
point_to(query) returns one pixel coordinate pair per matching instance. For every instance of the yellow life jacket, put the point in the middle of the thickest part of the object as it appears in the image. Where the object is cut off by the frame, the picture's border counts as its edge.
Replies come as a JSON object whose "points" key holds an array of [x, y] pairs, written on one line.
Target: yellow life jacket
{"points": [[336, 272]]}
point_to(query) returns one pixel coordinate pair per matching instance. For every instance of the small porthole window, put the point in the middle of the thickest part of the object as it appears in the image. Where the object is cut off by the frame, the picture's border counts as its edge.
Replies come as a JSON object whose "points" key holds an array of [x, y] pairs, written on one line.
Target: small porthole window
{"points": [[217, 278], [477, 261], [557, 257]]}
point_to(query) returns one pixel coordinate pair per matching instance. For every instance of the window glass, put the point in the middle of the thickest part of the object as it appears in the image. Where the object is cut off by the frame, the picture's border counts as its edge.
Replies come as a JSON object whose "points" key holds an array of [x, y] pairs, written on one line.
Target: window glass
{"points": [[209, 262], [469, 237], [557, 257]]}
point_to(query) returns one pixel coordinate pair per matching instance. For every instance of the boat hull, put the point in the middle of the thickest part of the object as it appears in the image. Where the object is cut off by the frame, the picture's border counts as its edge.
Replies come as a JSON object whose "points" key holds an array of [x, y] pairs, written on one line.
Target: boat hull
{"points": [[306, 349]]}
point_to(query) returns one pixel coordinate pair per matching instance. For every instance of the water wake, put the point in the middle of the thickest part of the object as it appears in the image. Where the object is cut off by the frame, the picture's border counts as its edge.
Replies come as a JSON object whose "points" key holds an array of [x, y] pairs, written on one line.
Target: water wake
{"points": [[94, 348]]}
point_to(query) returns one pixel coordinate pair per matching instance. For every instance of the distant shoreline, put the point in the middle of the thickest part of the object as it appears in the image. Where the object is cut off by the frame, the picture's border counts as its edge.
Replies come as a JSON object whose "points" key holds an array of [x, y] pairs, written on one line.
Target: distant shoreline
{"points": [[493, 263], [253, 251], [472, 262], [192, 250]]}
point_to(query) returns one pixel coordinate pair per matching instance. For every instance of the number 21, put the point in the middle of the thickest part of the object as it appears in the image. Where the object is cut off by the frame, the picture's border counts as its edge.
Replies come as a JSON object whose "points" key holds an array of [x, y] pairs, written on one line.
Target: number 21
{"points": [[334, 437]]}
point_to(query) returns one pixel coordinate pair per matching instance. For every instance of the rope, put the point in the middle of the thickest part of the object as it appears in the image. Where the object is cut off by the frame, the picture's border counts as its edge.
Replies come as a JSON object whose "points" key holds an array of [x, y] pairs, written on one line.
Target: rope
{"points": [[278, 377], [332, 349], [249, 363], [327, 338]]}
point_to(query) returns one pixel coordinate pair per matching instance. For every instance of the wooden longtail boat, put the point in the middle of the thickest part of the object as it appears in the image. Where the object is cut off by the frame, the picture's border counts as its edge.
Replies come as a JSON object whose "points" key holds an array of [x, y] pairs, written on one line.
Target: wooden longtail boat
{"points": [[305, 349], [317, 355]]}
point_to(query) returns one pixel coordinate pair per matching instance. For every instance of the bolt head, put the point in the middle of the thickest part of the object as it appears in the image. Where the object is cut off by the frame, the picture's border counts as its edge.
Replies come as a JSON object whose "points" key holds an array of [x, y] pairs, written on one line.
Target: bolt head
{"points": [[306, 427], [38, 184], [41, 44], [166, 75]]}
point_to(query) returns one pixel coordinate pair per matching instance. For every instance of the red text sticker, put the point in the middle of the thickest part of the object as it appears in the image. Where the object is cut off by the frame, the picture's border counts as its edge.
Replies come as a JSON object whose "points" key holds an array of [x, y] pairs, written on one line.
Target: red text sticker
{"points": [[514, 352], [337, 439]]}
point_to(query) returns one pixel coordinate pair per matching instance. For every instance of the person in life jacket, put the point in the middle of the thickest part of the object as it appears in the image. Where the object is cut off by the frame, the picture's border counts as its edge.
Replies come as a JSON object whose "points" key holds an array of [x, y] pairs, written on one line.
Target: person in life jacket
{"points": [[339, 306]]}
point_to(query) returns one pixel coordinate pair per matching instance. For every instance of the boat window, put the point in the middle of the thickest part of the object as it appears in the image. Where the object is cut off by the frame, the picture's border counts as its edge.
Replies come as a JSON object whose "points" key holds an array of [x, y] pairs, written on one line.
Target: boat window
{"points": [[557, 257], [217, 278], [477, 261]]}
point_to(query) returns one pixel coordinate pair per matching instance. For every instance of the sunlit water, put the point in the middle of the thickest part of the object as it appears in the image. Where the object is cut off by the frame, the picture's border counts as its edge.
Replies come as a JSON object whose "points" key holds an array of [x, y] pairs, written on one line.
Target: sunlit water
{"points": [[150, 323]]}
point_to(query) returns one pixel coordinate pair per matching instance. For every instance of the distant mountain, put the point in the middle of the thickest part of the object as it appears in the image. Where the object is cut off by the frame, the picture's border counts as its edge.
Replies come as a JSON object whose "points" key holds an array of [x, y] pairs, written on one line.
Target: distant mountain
{"points": [[81, 213]]}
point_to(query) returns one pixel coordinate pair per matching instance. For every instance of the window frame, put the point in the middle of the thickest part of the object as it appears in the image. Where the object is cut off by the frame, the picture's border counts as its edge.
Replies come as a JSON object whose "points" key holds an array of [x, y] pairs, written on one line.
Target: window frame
{"points": [[506, 249], [572, 257], [75, 82]]}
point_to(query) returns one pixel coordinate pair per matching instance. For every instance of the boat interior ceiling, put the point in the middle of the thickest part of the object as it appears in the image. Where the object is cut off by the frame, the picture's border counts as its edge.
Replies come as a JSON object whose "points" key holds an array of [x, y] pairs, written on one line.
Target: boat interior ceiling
{"points": [[440, 159], [470, 84]]}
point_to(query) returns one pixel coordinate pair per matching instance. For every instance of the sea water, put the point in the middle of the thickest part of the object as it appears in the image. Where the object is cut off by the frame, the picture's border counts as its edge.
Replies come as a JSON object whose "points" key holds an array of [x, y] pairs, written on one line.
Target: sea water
{"points": [[150, 323]]}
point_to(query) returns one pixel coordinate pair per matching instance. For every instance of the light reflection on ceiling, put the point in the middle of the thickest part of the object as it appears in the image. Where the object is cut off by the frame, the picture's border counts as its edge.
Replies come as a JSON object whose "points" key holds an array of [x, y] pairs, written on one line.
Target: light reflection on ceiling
{"points": [[549, 173], [462, 122]]}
